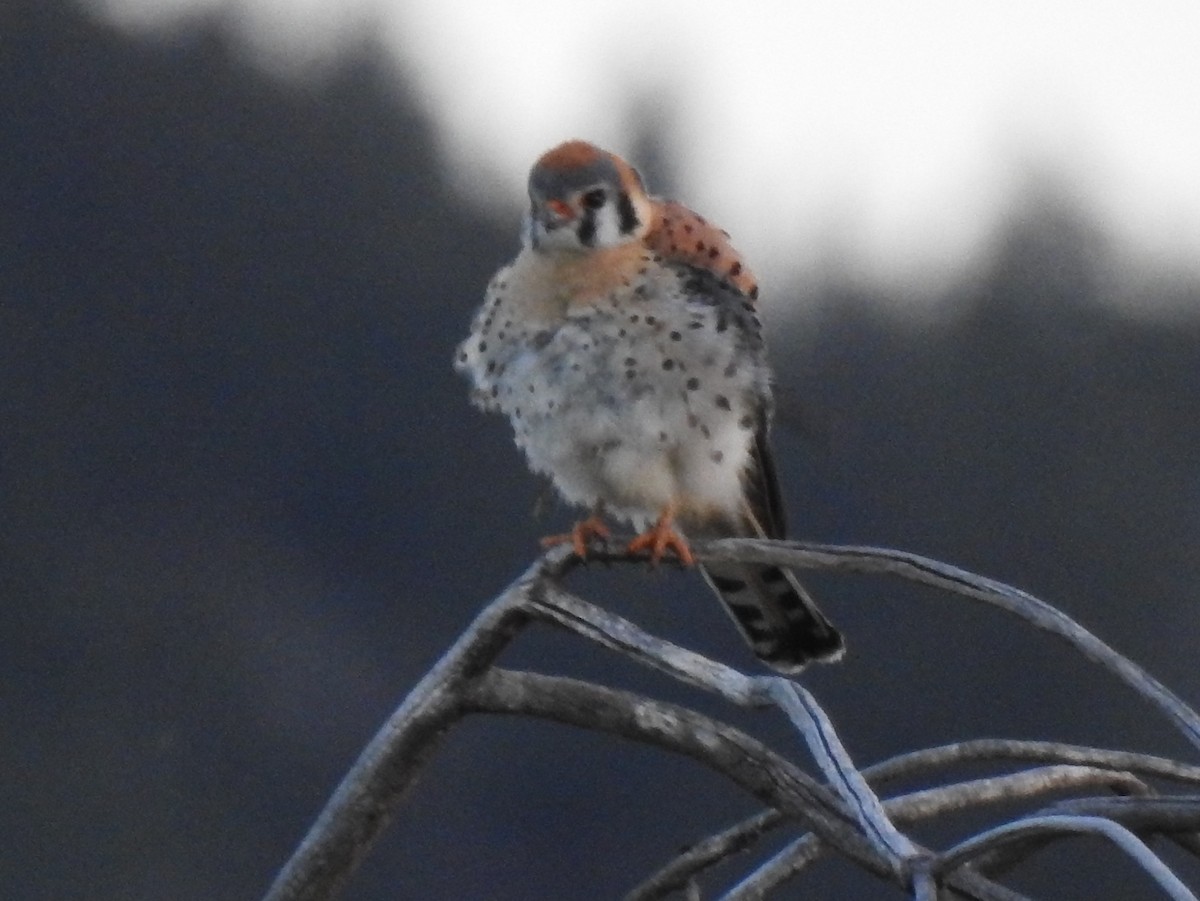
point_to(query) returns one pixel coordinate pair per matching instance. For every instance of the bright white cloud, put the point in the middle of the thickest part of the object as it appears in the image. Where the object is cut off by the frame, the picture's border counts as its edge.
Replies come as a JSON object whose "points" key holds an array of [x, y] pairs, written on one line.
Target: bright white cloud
{"points": [[888, 136]]}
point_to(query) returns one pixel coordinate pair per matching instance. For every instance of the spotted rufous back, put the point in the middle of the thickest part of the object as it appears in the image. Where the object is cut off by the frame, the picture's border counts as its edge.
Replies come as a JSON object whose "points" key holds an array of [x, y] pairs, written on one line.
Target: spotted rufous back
{"points": [[683, 236]]}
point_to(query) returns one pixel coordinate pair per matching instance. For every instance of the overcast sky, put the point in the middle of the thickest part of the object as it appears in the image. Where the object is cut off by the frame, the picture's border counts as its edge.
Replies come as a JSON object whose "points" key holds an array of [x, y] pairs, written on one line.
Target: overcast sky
{"points": [[892, 137]]}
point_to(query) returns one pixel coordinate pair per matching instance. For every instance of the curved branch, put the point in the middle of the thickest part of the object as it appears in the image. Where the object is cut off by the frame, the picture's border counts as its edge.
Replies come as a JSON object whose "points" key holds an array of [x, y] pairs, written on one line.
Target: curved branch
{"points": [[915, 568], [919, 762], [1060, 827], [746, 762], [1139, 814], [737, 756], [1079, 767], [464, 680], [705, 854], [1178, 819], [363, 804], [806, 714], [929, 803]]}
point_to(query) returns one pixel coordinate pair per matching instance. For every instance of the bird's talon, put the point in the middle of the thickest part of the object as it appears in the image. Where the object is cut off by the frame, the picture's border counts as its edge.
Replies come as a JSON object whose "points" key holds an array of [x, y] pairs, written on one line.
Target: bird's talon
{"points": [[661, 538], [581, 534]]}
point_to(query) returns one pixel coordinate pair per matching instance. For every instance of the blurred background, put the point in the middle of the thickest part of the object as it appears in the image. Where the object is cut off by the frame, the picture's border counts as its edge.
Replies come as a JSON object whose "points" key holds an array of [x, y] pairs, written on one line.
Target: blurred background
{"points": [[246, 503]]}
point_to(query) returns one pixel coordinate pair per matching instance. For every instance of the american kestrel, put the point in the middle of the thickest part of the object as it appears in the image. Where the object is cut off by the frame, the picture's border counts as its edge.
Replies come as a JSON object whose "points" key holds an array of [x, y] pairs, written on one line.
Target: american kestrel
{"points": [[623, 345]]}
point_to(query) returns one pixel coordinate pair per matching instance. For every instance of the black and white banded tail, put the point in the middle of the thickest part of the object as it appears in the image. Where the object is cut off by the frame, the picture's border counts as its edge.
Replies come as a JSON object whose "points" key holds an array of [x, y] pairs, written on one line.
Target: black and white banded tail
{"points": [[780, 620]]}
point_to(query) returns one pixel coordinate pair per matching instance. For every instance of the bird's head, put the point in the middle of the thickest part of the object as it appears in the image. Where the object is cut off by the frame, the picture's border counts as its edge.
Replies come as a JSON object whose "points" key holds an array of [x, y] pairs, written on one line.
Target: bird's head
{"points": [[583, 198]]}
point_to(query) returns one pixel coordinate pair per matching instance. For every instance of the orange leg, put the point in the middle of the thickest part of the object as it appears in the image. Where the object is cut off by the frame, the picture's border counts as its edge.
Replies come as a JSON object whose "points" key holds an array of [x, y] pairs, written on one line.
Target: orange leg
{"points": [[661, 537], [581, 533]]}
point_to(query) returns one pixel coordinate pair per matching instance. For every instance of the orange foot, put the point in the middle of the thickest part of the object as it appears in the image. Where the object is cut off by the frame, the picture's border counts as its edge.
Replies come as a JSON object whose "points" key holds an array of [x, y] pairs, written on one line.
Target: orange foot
{"points": [[661, 537], [579, 536]]}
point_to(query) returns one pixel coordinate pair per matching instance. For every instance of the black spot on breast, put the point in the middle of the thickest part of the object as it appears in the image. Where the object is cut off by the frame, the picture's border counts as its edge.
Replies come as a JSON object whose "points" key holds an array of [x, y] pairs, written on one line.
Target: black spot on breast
{"points": [[722, 402], [746, 422], [735, 270], [713, 253], [650, 320], [717, 456], [630, 361], [541, 339], [730, 370], [668, 365], [693, 383], [700, 245], [676, 336], [483, 347]]}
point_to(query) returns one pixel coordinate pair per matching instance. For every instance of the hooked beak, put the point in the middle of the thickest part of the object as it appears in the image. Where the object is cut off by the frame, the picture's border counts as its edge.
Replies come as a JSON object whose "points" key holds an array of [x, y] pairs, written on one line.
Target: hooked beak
{"points": [[555, 214]]}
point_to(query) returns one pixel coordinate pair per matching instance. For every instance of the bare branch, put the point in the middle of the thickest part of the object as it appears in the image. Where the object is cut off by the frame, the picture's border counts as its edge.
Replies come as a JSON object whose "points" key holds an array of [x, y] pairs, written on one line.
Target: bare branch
{"points": [[705, 854], [931, 803], [555, 605], [1062, 826], [915, 568], [802, 708], [363, 805], [748, 763], [850, 818], [614, 632], [1139, 814], [1176, 818], [919, 762]]}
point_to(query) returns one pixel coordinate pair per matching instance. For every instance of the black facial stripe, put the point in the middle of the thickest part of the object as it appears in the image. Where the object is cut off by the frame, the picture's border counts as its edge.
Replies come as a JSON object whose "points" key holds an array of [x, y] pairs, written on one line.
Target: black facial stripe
{"points": [[626, 212], [587, 227]]}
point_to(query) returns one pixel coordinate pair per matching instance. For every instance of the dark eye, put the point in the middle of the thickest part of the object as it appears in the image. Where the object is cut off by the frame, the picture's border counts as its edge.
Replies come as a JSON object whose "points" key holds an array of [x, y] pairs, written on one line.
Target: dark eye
{"points": [[594, 199]]}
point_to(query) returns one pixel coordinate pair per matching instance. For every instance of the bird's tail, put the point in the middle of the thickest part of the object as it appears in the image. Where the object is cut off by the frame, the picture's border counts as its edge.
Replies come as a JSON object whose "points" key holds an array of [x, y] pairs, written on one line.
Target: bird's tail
{"points": [[780, 620]]}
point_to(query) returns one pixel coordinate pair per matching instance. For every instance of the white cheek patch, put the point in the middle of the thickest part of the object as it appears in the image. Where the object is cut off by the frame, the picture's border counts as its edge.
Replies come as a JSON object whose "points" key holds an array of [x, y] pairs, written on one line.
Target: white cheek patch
{"points": [[608, 227]]}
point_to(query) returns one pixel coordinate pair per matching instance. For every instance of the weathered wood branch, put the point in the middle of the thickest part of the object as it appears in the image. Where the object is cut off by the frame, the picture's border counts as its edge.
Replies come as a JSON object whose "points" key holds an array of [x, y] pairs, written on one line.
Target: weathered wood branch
{"points": [[840, 813]]}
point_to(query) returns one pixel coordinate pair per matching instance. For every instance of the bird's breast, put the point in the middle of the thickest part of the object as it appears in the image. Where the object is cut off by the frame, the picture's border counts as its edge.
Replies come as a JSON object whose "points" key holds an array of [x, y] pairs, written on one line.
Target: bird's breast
{"points": [[641, 395]]}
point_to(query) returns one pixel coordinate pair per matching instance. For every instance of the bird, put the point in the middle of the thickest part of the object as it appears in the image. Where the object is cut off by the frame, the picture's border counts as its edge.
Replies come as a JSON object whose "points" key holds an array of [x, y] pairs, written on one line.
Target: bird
{"points": [[623, 344]]}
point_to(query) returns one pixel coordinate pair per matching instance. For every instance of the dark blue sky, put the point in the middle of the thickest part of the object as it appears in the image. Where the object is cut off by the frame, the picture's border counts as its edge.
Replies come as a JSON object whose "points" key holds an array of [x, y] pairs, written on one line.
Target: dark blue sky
{"points": [[246, 503]]}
